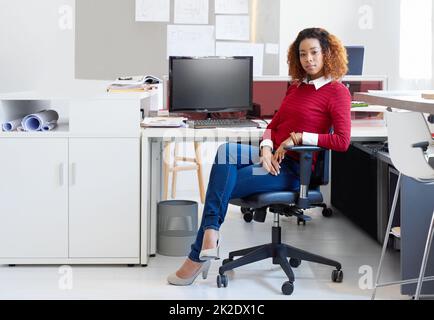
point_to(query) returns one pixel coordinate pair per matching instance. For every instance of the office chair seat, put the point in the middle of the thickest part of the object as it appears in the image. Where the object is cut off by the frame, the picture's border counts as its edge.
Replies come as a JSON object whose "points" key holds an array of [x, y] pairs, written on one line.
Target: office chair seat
{"points": [[284, 203], [260, 200]]}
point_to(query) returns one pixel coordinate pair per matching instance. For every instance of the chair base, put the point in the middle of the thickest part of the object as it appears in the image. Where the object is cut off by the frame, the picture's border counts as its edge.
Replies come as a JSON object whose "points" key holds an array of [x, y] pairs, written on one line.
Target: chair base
{"points": [[279, 252]]}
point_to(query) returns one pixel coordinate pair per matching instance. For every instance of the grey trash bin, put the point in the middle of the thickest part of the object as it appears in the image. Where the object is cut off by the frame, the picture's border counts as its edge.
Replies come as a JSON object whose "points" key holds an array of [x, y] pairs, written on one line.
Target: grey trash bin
{"points": [[177, 227]]}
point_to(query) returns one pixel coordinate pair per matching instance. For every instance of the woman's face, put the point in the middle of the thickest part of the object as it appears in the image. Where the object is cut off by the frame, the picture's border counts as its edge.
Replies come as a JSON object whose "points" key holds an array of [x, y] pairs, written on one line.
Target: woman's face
{"points": [[311, 58]]}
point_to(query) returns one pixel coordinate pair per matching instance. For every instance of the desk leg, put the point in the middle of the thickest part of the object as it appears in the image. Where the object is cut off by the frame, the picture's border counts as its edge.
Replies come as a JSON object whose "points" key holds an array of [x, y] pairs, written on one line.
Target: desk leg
{"points": [[383, 198], [145, 201], [155, 190]]}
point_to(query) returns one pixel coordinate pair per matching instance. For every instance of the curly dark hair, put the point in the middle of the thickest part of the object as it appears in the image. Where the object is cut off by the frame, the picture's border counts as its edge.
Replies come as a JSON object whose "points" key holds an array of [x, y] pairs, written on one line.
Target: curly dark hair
{"points": [[335, 54]]}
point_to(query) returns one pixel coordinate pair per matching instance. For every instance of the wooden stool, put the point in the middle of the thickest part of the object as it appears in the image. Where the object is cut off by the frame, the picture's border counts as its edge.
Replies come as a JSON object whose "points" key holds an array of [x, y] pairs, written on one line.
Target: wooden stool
{"points": [[175, 168]]}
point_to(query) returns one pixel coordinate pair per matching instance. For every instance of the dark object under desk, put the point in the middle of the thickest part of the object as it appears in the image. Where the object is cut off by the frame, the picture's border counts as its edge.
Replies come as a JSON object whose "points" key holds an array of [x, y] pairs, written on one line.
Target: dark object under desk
{"points": [[417, 203], [355, 188]]}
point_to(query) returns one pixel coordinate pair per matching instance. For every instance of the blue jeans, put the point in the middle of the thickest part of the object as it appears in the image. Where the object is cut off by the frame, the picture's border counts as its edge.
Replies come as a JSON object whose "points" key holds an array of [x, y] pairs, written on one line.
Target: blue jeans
{"points": [[236, 173]]}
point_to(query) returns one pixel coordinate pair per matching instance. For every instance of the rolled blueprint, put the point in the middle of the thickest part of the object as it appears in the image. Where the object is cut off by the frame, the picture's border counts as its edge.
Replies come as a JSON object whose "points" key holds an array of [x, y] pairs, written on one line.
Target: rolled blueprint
{"points": [[36, 121], [49, 126], [11, 125]]}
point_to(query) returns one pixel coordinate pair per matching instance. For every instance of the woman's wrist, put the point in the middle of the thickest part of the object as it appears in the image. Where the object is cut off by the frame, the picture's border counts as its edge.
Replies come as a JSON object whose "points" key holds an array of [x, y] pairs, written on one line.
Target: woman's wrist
{"points": [[266, 150], [266, 142]]}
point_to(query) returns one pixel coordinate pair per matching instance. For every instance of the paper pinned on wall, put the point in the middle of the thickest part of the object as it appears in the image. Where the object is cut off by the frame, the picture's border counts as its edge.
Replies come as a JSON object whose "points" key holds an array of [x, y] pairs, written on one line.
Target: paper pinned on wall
{"points": [[232, 6], [151, 10], [191, 11], [272, 48], [188, 40], [244, 49], [232, 27]]}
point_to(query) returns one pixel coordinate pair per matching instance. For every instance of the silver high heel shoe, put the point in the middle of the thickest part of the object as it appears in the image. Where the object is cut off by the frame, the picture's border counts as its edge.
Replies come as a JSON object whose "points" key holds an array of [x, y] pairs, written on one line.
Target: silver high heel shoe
{"points": [[211, 254], [177, 281]]}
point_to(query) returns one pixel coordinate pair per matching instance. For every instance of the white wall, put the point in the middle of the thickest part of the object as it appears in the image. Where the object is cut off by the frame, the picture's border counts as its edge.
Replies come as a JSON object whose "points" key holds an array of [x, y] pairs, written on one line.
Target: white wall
{"points": [[35, 51], [343, 18]]}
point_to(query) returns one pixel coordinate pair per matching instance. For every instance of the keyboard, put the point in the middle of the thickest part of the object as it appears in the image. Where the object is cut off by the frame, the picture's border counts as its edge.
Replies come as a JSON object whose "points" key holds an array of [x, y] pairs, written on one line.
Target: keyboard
{"points": [[222, 123]]}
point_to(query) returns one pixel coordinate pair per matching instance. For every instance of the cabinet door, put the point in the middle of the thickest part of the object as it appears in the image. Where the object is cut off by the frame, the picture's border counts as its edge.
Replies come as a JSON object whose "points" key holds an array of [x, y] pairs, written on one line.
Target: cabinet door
{"points": [[104, 201], [33, 198]]}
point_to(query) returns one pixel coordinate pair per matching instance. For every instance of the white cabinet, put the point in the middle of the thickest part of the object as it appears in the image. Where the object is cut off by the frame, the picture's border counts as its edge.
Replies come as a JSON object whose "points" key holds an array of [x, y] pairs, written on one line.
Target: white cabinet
{"points": [[104, 197], [76, 198], [34, 198], [72, 195]]}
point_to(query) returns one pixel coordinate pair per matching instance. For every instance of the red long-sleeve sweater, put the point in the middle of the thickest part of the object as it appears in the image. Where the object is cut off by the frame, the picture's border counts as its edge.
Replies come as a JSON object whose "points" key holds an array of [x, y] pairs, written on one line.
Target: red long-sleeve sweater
{"points": [[305, 109]]}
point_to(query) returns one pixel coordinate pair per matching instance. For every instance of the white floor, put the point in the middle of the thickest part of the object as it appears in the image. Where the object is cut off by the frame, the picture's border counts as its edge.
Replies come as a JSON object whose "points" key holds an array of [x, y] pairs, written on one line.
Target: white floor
{"points": [[336, 238]]}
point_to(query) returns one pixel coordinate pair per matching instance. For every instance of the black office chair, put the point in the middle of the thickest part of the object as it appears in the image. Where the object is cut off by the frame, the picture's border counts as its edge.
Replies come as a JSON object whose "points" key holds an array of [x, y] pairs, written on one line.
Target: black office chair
{"points": [[320, 177], [292, 211], [281, 203]]}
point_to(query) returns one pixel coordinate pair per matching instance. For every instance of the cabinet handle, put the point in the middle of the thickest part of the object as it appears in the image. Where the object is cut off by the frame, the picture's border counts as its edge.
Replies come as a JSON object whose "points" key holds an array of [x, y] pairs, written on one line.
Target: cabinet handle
{"points": [[61, 175], [73, 169]]}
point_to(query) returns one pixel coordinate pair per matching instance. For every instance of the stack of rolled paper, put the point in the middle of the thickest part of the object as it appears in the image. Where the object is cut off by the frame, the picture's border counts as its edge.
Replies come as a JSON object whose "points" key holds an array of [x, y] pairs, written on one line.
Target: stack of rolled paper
{"points": [[41, 121]]}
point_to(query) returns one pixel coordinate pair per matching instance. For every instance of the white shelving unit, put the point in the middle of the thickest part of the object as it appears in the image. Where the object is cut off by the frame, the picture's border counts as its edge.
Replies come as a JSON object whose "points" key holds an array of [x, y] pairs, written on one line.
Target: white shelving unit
{"points": [[72, 195]]}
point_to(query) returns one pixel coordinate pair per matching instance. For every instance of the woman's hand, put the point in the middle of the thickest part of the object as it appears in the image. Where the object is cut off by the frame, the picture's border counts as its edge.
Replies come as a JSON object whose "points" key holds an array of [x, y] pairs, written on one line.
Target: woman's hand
{"points": [[296, 137], [279, 154], [268, 162]]}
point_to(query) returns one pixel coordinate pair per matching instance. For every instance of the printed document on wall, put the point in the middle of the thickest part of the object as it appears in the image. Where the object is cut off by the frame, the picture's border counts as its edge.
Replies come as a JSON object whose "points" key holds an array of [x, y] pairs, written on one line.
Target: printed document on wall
{"points": [[232, 27], [186, 40], [191, 11], [151, 10], [232, 6], [244, 49]]}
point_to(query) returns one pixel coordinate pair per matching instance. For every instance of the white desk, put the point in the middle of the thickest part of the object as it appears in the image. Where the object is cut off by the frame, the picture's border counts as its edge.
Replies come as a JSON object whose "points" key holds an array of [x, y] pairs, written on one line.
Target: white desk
{"points": [[152, 151], [408, 100]]}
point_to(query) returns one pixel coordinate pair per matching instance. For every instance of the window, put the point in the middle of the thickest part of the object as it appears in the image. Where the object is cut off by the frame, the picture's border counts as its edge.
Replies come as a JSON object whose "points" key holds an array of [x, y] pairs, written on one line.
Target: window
{"points": [[415, 61]]}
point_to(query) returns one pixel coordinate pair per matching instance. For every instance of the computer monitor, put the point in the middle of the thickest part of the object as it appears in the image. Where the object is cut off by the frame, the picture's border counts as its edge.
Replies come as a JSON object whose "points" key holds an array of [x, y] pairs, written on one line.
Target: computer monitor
{"points": [[210, 84], [355, 60]]}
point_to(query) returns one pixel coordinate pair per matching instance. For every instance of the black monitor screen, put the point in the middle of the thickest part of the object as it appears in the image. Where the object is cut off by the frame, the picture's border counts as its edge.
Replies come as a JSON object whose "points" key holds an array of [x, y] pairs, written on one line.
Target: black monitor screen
{"points": [[355, 60], [210, 84]]}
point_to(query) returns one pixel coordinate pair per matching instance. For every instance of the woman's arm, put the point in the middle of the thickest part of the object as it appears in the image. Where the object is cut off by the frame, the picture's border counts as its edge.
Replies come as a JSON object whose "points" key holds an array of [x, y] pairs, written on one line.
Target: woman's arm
{"points": [[340, 111], [268, 161], [268, 136]]}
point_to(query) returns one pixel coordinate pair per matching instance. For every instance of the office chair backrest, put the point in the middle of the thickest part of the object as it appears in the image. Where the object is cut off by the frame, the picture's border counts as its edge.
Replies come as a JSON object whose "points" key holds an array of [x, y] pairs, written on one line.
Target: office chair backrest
{"points": [[320, 174], [404, 129]]}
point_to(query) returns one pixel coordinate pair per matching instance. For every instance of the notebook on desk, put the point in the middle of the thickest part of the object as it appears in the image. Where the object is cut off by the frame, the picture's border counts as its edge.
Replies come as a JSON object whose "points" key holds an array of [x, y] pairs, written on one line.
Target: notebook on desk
{"points": [[163, 122]]}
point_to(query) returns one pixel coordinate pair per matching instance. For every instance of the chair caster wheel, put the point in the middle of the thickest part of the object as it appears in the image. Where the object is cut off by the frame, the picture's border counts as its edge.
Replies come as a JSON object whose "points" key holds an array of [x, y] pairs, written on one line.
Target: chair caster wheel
{"points": [[222, 280], [287, 288], [337, 275], [248, 216], [299, 220], [245, 210], [294, 262], [327, 212], [227, 261]]}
